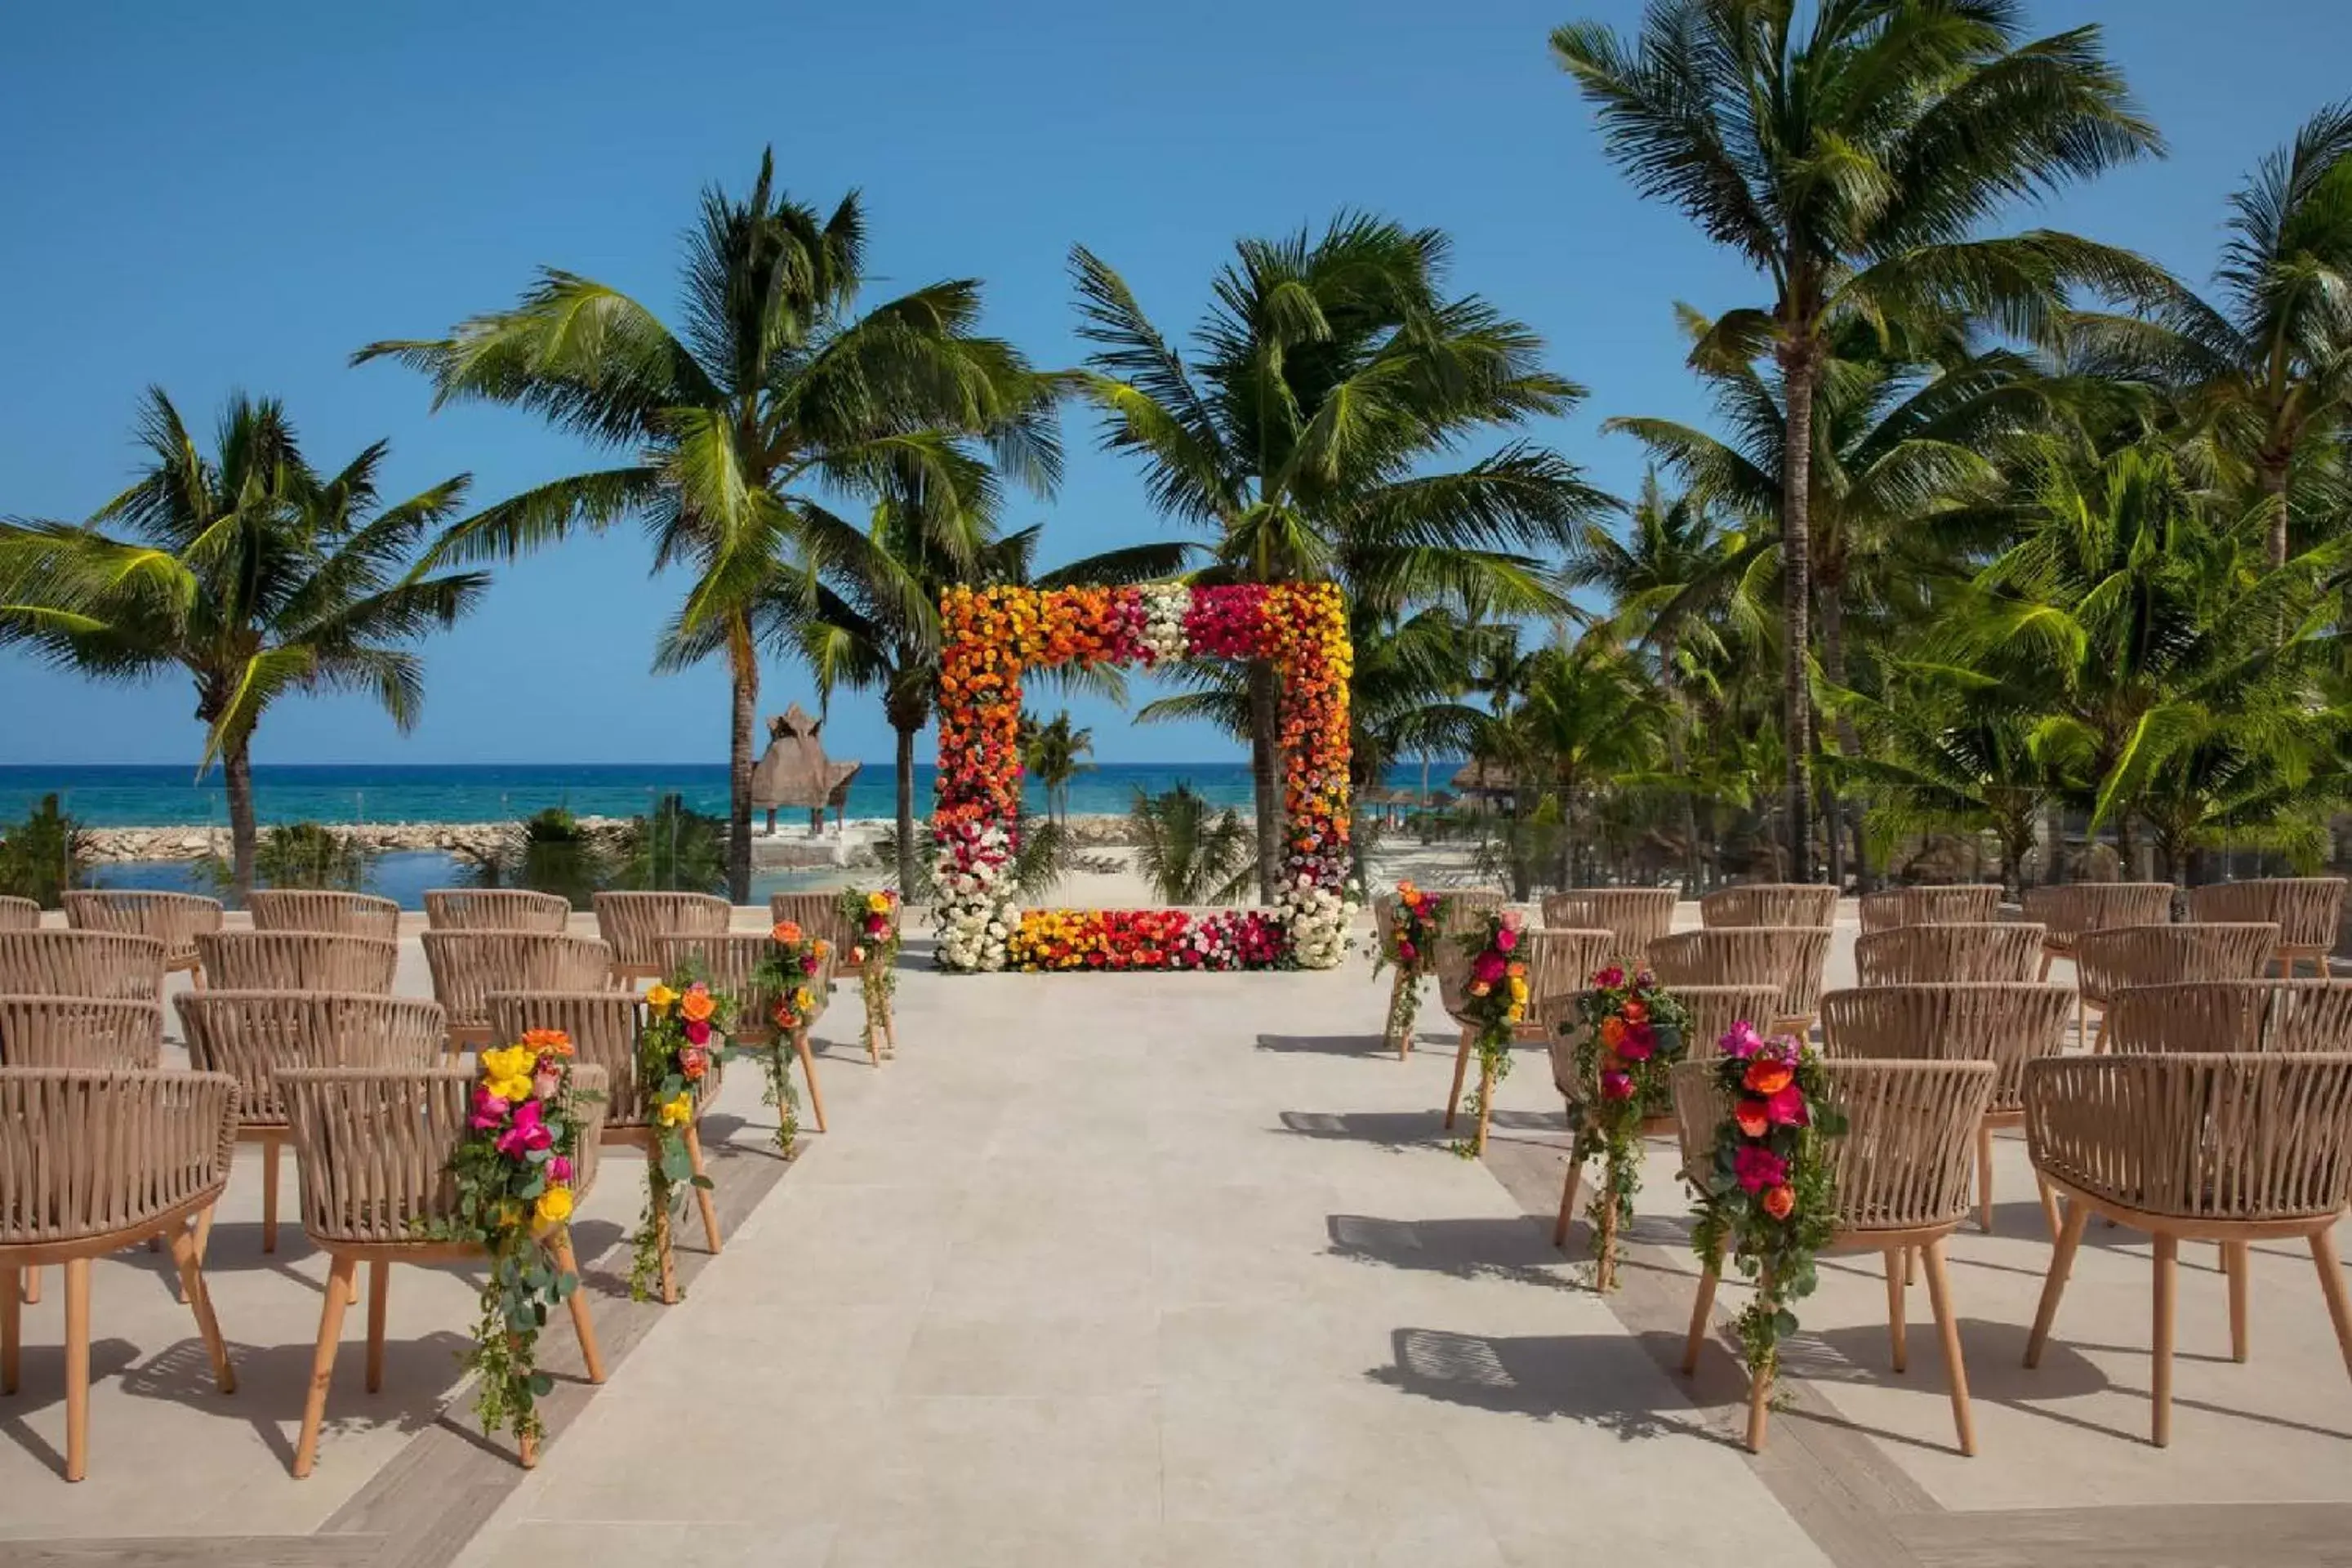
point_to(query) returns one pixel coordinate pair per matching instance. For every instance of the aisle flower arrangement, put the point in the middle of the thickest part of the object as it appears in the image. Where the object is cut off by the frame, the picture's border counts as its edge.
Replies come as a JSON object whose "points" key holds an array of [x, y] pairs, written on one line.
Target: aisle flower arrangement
{"points": [[1147, 941], [1769, 1200], [791, 980], [994, 635], [1631, 1036], [1411, 951], [678, 1045], [514, 1170], [874, 918], [1495, 1001]]}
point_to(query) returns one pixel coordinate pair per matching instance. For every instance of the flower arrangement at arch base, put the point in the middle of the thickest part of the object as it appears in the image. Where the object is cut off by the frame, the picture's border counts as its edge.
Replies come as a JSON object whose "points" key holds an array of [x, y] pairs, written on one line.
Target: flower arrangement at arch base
{"points": [[1147, 940], [1768, 1200], [514, 1170], [874, 918], [1412, 950], [679, 1051], [793, 981], [1495, 1001], [1623, 1071]]}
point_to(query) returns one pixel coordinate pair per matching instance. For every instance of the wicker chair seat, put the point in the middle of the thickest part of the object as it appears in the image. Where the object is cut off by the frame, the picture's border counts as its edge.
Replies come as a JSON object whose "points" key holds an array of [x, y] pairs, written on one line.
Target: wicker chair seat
{"points": [[80, 1032], [105, 965]]}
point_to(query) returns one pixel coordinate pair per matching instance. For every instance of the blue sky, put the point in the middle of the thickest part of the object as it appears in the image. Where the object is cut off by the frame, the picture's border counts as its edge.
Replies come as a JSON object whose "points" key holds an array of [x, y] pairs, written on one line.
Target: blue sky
{"points": [[239, 195]]}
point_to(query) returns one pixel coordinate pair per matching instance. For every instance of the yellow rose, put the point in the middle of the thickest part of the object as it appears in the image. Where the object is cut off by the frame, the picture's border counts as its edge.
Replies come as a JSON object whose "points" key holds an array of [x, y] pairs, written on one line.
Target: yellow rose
{"points": [[800, 998], [678, 1112], [877, 903], [509, 1061], [660, 997], [554, 1205]]}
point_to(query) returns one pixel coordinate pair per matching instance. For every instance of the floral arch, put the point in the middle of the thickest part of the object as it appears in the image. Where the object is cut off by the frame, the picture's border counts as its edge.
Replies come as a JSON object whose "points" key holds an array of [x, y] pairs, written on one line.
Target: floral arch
{"points": [[994, 636]]}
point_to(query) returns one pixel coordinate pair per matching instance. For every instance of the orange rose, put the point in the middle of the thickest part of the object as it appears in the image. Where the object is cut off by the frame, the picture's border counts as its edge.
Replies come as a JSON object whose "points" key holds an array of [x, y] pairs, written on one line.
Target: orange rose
{"points": [[1637, 1010], [547, 1042], [697, 1005], [1768, 1077], [786, 932], [1613, 1031], [1752, 1118], [1780, 1203]]}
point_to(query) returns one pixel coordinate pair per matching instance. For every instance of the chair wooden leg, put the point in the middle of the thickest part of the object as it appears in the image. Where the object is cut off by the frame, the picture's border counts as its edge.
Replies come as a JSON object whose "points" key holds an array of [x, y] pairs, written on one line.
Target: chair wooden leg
{"points": [[1461, 1068], [269, 1195], [591, 1357], [2168, 1257], [2331, 1285], [33, 1286], [77, 1368], [1568, 1190], [1984, 1176], [12, 1327], [1895, 1327], [1947, 1324], [342, 1276], [200, 1300], [2047, 959], [2236, 1259], [702, 1194], [2099, 1040], [2061, 1262], [1759, 1388], [378, 1272], [1700, 1308], [2050, 1220], [808, 1071]]}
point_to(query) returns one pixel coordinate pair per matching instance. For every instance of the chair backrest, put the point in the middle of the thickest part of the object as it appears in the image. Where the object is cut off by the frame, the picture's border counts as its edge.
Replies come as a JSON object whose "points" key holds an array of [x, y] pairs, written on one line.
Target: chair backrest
{"points": [[1770, 904], [2007, 1024], [250, 1034], [175, 919], [88, 1152], [1700, 1108], [2212, 1015], [373, 1147], [313, 909], [728, 964], [1962, 903], [1712, 1010], [631, 923], [1460, 910], [819, 914], [2306, 909], [496, 908], [467, 965], [1561, 965], [1793, 957], [1384, 908], [1918, 955], [603, 1027], [2110, 962], [1907, 1160], [81, 963], [1638, 916], [2080, 906], [80, 1032], [2204, 1136], [19, 914], [299, 961]]}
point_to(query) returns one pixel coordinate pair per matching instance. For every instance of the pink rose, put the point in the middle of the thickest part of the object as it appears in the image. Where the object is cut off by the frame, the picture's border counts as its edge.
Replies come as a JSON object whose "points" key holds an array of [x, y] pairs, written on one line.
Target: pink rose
{"points": [[808, 964], [526, 1133], [559, 1169], [697, 1031], [489, 1110], [1407, 952], [545, 1082], [1759, 1169], [1640, 1043], [1609, 979], [1786, 1108], [1616, 1086], [1488, 968], [1742, 1041], [1505, 940], [1512, 919]]}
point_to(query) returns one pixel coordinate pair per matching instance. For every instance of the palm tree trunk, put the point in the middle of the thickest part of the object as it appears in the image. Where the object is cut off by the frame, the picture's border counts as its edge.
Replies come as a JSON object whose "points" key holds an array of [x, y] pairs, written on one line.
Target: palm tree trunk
{"points": [[906, 781], [2275, 491], [1799, 362], [1675, 718], [1844, 819], [1266, 773], [236, 773], [743, 670]]}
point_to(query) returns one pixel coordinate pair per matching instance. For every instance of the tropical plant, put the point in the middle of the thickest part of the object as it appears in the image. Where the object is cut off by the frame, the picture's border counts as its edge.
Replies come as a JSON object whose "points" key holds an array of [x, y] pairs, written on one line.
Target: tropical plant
{"points": [[547, 852], [1849, 152], [738, 431], [43, 855], [249, 570], [1050, 753], [1038, 864], [1329, 379], [299, 855], [1188, 851], [675, 849]]}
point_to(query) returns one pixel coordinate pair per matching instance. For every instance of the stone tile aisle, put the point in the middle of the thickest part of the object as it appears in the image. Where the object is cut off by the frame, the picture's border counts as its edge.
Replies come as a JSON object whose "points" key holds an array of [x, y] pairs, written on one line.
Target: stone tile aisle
{"points": [[1142, 1270]]}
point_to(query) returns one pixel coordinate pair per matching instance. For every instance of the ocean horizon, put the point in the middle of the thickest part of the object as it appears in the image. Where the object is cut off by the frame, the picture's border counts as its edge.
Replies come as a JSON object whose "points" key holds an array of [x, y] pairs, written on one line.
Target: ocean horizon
{"points": [[167, 796]]}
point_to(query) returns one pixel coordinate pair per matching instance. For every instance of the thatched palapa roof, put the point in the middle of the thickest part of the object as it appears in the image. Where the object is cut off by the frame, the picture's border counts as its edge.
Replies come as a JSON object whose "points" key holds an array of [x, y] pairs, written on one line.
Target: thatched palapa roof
{"points": [[795, 770]]}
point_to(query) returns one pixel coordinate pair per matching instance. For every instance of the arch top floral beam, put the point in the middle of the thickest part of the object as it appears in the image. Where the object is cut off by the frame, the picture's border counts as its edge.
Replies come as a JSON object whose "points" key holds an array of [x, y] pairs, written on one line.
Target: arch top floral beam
{"points": [[993, 637]]}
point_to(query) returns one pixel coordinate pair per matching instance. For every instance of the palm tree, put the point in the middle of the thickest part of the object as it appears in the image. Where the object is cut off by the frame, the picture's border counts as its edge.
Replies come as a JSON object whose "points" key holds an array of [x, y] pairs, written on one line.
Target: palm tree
{"points": [[1188, 851], [1050, 751], [247, 569], [734, 433], [1852, 164], [2268, 363], [1327, 380], [1588, 721]]}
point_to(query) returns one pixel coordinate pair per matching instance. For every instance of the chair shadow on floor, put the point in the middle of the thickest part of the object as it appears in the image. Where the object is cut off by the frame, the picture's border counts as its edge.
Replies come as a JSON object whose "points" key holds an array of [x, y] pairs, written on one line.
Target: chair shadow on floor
{"points": [[1326, 1044], [1516, 1249], [41, 1382], [1398, 1132], [1598, 1379]]}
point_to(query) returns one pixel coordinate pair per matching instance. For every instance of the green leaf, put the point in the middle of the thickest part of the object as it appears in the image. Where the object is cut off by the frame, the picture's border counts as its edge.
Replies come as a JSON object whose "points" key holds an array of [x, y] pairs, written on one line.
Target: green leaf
{"points": [[542, 1385]]}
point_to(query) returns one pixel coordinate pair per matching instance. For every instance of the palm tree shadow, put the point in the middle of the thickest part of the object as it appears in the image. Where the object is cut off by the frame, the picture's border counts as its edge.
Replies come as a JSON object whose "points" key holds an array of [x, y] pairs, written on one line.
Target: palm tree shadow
{"points": [[1606, 1381], [1517, 1249], [1324, 1044], [1397, 1131]]}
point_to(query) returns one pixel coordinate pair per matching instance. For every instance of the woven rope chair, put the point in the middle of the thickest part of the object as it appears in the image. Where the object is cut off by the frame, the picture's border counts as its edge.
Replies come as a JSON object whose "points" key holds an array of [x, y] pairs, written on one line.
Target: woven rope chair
{"points": [[2229, 1148], [727, 964], [2006, 1023], [1638, 916], [1461, 909], [632, 924], [2066, 913], [92, 1162], [1559, 966], [373, 1147], [81, 963], [2267, 1015], [250, 1034], [2307, 910], [1770, 904], [80, 1032], [1713, 1010], [603, 1027], [19, 914], [1928, 954], [310, 909], [175, 919], [821, 913], [467, 965], [1791, 957], [1901, 1176], [496, 908], [2110, 962], [299, 961], [1964, 903]]}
